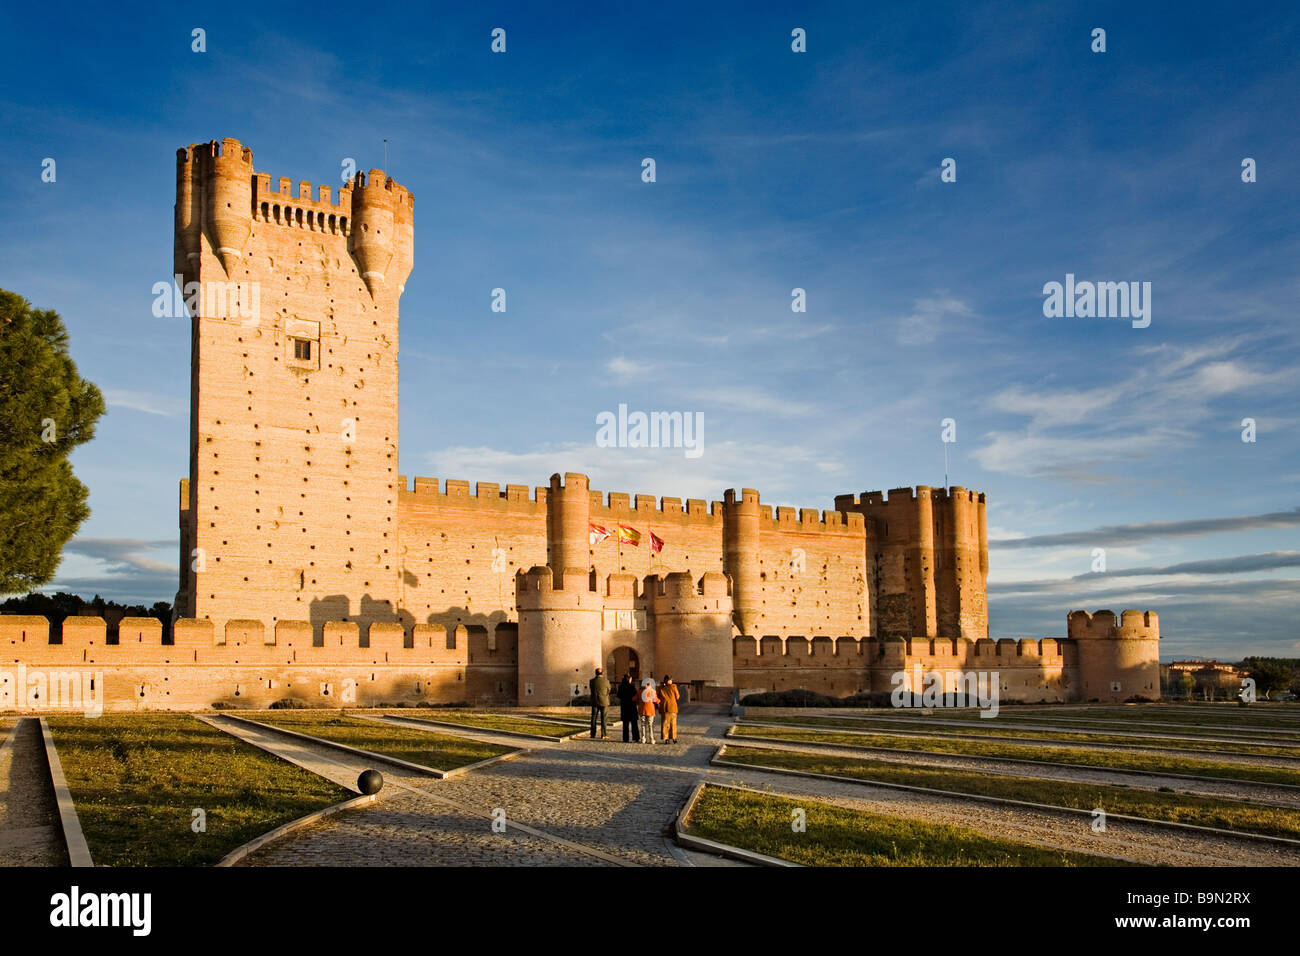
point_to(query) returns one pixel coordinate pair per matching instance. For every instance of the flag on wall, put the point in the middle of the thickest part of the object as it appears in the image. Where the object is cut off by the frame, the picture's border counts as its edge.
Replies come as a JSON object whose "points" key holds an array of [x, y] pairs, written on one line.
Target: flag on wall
{"points": [[656, 543], [628, 535], [595, 533]]}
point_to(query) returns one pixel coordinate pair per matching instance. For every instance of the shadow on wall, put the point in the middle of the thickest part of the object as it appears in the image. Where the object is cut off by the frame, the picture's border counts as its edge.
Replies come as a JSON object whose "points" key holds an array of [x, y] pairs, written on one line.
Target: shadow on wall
{"points": [[337, 607]]}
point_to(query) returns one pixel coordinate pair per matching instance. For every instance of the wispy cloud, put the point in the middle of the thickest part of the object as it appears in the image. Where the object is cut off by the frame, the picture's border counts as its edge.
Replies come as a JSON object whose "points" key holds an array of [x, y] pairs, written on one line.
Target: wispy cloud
{"points": [[928, 316], [120, 569], [747, 398], [1087, 435], [625, 369], [167, 406], [1111, 535], [123, 554]]}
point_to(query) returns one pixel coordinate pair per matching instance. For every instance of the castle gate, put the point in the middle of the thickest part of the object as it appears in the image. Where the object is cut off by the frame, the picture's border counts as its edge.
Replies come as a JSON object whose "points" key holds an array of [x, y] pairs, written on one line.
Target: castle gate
{"points": [[624, 660]]}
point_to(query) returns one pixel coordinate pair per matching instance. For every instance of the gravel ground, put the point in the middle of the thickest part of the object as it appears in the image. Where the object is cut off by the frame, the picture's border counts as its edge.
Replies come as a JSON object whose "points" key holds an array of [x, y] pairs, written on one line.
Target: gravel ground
{"points": [[29, 820], [1206, 787], [1217, 756], [1262, 738]]}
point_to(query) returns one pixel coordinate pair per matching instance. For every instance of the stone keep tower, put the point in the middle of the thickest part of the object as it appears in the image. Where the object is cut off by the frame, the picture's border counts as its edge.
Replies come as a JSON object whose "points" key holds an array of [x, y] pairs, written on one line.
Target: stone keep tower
{"points": [[290, 508], [928, 559]]}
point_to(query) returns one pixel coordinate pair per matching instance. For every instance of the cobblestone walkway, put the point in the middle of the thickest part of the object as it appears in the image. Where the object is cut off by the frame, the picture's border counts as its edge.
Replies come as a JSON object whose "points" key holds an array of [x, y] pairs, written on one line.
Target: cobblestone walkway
{"points": [[29, 818], [602, 802], [582, 802]]}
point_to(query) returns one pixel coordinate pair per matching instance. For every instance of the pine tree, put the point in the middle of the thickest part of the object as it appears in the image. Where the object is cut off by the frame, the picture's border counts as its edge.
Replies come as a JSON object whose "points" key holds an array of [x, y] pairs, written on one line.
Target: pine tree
{"points": [[46, 410]]}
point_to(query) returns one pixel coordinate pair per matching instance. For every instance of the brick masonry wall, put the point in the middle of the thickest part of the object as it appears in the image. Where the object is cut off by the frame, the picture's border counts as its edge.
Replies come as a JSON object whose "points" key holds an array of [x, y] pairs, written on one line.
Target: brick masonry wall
{"points": [[254, 667]]}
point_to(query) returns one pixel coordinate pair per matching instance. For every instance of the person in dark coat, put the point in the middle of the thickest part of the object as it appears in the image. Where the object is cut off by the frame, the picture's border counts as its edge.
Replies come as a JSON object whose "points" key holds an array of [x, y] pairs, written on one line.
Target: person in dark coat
{"points": [[627, 710], [599, 687]]}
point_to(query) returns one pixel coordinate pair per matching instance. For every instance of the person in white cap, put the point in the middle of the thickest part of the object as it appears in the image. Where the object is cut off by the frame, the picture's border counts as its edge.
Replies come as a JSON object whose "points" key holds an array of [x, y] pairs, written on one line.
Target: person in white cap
{"points": [[646, 702]]}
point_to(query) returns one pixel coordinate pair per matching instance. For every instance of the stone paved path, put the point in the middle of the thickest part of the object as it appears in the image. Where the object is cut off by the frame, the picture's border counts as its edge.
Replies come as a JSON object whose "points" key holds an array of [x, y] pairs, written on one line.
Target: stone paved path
{"points": [[29, 819], [594, 802], [582, 802]]}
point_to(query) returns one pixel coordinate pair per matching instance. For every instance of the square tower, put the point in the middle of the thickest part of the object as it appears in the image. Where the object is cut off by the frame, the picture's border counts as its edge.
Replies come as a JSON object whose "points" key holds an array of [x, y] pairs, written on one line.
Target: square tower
{"points": [[290, 508]]}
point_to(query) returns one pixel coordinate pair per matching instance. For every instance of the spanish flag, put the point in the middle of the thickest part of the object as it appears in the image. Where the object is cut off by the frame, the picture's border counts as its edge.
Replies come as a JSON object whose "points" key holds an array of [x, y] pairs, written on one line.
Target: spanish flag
{"points": [[656, 543], [595, 533], [628, 535]]}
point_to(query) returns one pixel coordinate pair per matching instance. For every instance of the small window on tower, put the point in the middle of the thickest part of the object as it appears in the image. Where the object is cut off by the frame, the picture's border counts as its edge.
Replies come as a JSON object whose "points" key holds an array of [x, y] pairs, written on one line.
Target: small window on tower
{"points": [[302, 344]]}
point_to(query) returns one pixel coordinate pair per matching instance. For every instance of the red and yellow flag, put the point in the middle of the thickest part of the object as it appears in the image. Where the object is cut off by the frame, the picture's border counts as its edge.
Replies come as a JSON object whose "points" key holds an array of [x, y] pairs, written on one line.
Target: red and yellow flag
{"points": [[628, 535]]}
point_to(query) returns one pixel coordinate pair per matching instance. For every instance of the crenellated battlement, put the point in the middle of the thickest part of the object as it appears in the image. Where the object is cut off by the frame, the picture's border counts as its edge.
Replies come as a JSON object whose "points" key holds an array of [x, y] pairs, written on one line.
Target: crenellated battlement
{"points": [[682, 586], [244, 664], [622, 506], [939, 651], [847, 648], [328, 214], [809, 520], [540, 579], [484, 494], [1130, 625], [228, 151], [368, 184], [84, 640], [881, 499], [218, 190], [618, 504], [955, 493]]}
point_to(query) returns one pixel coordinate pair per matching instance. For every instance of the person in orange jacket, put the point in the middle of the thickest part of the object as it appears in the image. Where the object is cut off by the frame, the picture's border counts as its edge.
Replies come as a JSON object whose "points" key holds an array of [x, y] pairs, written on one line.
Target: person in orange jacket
{"points": [[646, 702], [668, 697]]}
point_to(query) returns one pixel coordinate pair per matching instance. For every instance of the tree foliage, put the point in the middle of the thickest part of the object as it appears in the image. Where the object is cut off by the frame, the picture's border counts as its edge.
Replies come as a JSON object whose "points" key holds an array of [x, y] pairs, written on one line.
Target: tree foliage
{"points": [[56, 607], [46, 410], [1270, 673]]}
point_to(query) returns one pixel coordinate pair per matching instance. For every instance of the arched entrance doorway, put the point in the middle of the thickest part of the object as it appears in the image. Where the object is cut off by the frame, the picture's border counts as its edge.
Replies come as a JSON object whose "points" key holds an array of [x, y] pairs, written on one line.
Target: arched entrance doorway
{"points": [[624, 660]]}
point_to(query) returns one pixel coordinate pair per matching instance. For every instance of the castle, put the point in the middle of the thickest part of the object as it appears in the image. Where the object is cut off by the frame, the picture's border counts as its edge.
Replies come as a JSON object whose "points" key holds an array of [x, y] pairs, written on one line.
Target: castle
{"points": [[311, 569]]}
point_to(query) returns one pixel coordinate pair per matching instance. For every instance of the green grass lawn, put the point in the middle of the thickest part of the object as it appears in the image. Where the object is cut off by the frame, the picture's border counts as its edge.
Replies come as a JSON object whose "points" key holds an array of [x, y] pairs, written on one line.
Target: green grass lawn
{"points": [[1174, 807], [991, 728], [1125, 760], [137, 778], [838, 836], [482, 720], [428, 748]]}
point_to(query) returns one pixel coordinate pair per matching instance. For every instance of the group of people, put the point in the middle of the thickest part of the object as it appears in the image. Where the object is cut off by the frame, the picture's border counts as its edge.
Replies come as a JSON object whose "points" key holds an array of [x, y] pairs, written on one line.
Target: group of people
{"points": [[637, 707]]}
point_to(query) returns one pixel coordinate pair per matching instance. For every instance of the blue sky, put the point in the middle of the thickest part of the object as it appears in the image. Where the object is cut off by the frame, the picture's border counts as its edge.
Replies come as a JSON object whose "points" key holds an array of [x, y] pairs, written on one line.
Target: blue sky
{"points": [[775, 170]]}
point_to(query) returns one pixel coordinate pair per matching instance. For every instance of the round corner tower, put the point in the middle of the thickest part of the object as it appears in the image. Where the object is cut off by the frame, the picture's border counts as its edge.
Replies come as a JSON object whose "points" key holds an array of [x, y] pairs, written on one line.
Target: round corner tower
{"points": [[559, 634], [741, 558], [1118, 659], [692, 626], [568, 530]]}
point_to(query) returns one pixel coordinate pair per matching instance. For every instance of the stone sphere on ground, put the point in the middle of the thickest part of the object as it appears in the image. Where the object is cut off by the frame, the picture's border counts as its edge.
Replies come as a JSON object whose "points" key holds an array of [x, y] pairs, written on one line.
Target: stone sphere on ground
{"points": [[370, 782]]}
